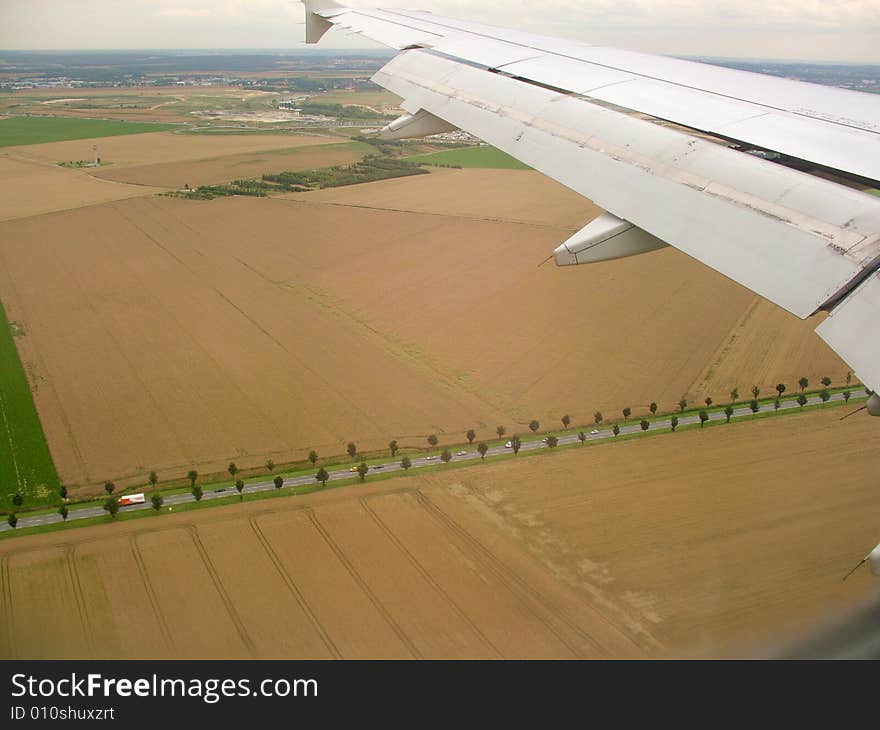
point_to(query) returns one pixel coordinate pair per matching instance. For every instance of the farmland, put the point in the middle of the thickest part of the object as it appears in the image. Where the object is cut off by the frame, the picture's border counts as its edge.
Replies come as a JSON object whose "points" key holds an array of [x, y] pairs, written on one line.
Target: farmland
{"points": [[210, 322], [295, 156], [30, 188], [379, 575], [32, 183], [158, 333], [161, 148], [36, 130], [513, 559]]}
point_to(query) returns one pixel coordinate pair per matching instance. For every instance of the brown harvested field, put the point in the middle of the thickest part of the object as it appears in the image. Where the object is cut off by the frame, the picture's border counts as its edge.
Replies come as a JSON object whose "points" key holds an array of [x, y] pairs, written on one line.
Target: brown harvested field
{"points": [[210, 346], [705, 541], [539, 342], [29, 188], [168, 160], [324, 577], [235, 167], [158, 148], [504, 195], [709, 542], [254, 328]]}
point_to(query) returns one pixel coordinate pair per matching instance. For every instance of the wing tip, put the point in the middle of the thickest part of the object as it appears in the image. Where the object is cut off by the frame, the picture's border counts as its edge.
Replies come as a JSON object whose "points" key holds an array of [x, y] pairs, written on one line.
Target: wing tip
{"points": [[316, 26]]}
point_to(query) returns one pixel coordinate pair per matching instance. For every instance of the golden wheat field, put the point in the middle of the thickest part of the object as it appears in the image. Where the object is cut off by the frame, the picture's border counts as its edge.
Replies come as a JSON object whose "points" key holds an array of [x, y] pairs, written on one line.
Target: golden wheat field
{"points": [[159, 148], [212, 170], [701, 543], [29, 188], [171, 334], [32, 183]]}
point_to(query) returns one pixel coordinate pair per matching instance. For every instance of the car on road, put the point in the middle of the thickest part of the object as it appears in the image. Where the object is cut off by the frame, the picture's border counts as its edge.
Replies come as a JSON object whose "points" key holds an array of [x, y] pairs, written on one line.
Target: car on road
{"points": [[352, 468], [428, 458], [461, 453], [508, 445], [378, 466], [222, 489], [594, 432]]}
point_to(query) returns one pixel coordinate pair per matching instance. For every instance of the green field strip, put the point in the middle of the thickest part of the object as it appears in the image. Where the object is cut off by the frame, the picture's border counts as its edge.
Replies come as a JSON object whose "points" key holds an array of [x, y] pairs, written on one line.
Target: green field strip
{"points": [[485, 157], [38, 130], [25, 462]]}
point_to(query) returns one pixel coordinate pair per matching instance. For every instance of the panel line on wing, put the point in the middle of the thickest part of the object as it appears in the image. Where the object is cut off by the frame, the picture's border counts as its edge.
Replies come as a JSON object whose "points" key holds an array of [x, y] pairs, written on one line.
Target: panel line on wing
{"points": [[815, 116]]}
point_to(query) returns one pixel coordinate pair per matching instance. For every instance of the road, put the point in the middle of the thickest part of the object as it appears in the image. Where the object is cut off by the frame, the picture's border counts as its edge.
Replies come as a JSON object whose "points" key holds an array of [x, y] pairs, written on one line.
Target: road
{"points": [[469, 454]]}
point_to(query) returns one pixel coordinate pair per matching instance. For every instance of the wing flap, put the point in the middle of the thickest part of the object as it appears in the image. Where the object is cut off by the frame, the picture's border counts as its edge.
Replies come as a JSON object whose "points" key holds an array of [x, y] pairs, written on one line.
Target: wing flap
{"points": [[850, 330]]}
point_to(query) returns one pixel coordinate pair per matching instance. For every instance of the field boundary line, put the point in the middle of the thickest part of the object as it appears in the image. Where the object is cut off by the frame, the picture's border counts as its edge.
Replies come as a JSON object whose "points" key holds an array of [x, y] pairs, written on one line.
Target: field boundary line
{"points": [[436, 214], [368, 592], [221, 590], [429, 579], [76, 586], [508, 578], [151, 593], [37, 357], [293, 588], [392, 346], [6, 598]]}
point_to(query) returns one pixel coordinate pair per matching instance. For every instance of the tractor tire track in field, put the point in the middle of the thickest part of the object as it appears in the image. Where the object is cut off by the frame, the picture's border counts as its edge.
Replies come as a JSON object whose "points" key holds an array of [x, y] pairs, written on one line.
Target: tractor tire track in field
{"points": [[346, 563], [8, 619], [109, 327], [600, 598], [429, 579], [294, 590], [151, 593], [76, 585], [528, 596], [221, 590]]}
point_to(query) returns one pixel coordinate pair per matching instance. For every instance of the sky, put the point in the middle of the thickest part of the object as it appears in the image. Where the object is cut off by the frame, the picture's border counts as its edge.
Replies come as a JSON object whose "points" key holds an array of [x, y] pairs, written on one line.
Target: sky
{"points": [[818, 30]]}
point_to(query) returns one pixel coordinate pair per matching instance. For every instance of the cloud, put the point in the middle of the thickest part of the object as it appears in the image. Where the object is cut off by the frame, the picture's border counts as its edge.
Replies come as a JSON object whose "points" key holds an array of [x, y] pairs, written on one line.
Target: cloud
{"points": [[184, 12], [757, 14], [808, 29]]}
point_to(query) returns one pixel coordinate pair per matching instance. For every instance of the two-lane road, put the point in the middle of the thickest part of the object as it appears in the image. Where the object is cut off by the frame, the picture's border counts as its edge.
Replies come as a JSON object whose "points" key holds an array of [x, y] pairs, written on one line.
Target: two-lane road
{"points": [[469, 454]]}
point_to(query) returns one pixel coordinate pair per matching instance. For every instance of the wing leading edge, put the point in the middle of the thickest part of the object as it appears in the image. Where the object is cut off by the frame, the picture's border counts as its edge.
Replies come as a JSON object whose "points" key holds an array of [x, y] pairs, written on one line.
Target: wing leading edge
{"points": [[803, 241]]}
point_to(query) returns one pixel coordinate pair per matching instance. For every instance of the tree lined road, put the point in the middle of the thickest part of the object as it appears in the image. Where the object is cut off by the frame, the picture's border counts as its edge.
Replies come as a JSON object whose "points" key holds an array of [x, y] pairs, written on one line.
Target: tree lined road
{"points": [[420, 462]]}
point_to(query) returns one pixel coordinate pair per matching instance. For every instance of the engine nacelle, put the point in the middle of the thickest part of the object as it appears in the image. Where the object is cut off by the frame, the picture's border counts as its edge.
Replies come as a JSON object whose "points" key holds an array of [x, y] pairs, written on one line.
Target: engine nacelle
{"points": [[603, 239]]}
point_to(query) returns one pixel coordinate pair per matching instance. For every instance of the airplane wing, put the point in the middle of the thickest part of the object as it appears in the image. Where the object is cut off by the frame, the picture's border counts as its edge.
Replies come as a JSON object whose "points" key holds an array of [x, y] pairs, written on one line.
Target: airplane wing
{"points": [[761, 178]]}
